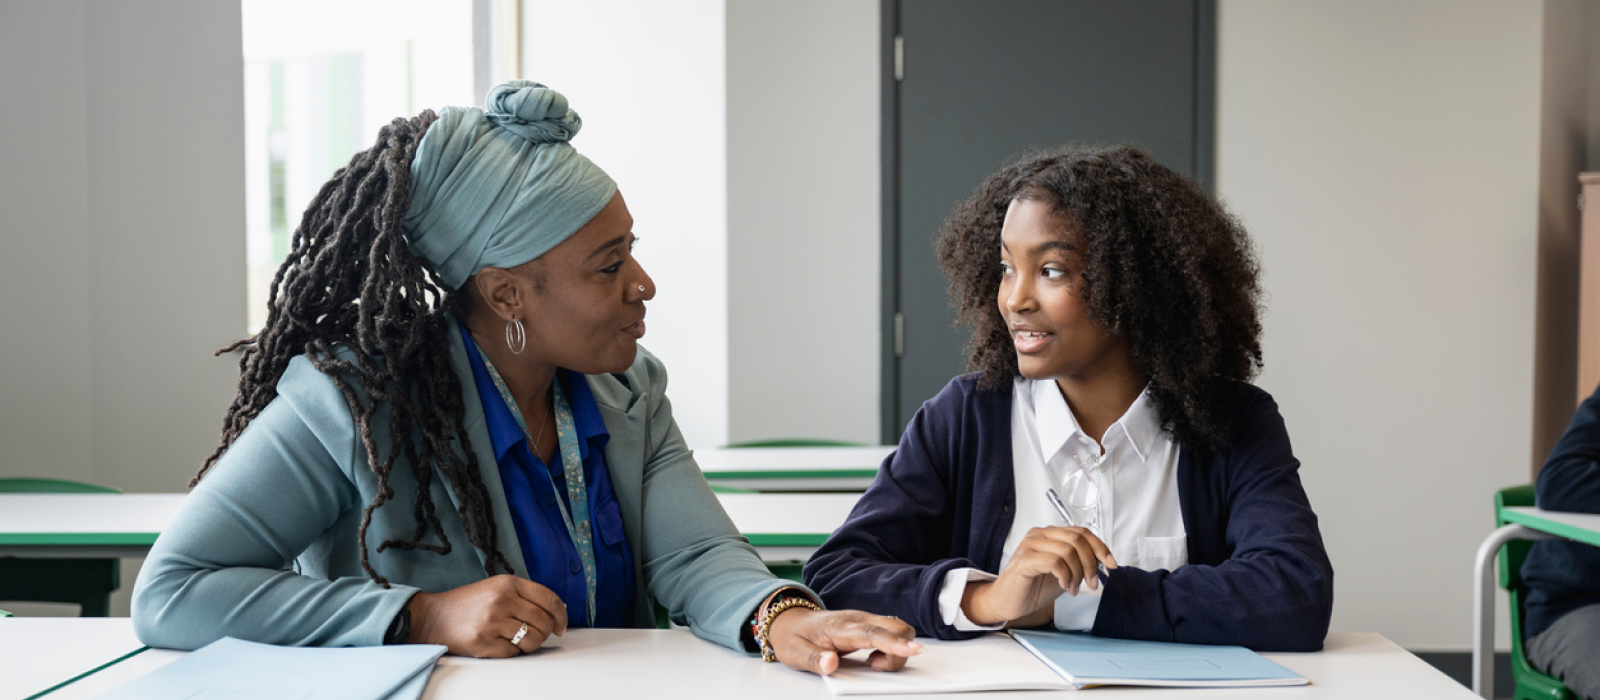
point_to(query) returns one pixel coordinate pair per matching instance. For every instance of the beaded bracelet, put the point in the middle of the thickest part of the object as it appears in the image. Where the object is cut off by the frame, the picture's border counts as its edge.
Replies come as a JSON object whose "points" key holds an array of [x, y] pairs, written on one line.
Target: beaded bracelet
{"points": [[786, 601], [753, 625]]}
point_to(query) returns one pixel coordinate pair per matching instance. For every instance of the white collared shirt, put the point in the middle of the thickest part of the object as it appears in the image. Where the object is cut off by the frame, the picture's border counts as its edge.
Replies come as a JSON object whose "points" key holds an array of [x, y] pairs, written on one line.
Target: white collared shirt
{"points": [[1137, 474]]}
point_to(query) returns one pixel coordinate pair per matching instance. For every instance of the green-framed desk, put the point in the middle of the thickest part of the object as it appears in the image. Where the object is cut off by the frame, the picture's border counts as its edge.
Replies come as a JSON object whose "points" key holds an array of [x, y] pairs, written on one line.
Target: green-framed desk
{"points": [[793, 468], [784, 527], [673, 664], [83, 525], [1525, 524]]}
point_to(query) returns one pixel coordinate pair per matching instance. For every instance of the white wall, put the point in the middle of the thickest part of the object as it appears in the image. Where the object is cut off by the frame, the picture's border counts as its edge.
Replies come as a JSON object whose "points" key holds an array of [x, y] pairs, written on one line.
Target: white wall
{"points": [[122, 210], [647, 78], [803, 220], [745, 137], [44, 223], [1385, 158]]}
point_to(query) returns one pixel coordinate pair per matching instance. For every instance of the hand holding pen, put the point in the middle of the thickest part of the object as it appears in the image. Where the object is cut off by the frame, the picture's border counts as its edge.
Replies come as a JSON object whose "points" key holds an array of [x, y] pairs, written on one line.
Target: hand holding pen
{"points": [[1047, 562], [1061, 509]]}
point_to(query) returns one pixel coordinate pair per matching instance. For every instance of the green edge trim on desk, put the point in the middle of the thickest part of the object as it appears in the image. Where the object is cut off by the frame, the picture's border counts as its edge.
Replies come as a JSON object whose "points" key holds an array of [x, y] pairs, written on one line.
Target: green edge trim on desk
{"points": [[796, 474], [1555, 528], [785, 540], [87, 673], [78, 538]]}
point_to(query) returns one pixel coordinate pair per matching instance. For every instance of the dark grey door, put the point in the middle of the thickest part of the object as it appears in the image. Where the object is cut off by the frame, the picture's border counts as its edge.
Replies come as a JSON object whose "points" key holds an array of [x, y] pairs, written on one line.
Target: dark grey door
{"points": [[981, 82]]}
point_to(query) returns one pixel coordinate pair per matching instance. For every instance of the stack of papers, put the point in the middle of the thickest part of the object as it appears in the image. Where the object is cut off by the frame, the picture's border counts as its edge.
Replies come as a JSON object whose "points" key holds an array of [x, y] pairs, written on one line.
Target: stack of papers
{"points": [[990, 662], [1037, 660], [233, 668]]}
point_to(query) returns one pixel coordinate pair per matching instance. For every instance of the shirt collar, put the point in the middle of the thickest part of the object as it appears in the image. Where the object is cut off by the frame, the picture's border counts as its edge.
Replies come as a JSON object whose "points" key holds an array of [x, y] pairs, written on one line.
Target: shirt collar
{"points": [[504, 433], [1141, 425], [1053, 419], [1057, 426]]}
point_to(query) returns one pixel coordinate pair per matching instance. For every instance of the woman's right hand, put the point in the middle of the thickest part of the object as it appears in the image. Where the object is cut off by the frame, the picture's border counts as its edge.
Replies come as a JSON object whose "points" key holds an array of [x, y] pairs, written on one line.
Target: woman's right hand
{"points": [[480, 619], [1048, 562]]}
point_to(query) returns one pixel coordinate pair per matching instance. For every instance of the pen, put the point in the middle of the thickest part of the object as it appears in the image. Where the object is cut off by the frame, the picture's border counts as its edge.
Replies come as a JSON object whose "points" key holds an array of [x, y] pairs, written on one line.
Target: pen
{"points": [[1061, 509]]}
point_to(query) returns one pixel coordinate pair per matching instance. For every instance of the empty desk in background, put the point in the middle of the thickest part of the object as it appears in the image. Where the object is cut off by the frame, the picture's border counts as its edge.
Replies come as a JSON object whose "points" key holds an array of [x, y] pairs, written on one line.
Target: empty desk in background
{"points": [[83, 525], [784, 527], [793, 468]]}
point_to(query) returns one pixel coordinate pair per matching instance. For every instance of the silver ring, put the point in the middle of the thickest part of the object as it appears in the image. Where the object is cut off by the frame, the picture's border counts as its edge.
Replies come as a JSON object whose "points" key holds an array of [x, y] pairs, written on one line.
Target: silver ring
{"points": [[521, 632]]}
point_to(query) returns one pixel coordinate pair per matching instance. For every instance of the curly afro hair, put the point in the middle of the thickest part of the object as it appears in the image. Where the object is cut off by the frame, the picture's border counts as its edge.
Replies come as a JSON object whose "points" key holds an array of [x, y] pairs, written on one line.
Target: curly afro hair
{"points": [[1164, 267]]}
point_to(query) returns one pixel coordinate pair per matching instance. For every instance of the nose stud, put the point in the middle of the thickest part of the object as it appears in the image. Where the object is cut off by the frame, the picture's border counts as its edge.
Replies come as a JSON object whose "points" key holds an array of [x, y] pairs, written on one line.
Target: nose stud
{"points": [[641, 287]]}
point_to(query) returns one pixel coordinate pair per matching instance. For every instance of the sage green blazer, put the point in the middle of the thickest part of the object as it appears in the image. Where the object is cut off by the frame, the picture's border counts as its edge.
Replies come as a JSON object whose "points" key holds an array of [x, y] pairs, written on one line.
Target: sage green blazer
{"points": [[265, 548]]}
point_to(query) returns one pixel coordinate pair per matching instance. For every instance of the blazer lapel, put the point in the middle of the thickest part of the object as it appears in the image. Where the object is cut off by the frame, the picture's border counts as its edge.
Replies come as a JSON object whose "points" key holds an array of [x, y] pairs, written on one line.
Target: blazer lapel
{"points": [[624, 414], [623, 410]]}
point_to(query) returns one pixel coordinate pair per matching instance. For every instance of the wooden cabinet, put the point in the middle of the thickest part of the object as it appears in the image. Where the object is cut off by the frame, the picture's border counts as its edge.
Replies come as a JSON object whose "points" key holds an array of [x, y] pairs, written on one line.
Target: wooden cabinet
{"points": [[1589, 288]]}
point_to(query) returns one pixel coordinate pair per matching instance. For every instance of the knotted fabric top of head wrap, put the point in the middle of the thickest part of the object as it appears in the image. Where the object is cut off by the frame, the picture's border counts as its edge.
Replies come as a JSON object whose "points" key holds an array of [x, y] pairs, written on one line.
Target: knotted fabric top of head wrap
{"points": [[502, 187]]}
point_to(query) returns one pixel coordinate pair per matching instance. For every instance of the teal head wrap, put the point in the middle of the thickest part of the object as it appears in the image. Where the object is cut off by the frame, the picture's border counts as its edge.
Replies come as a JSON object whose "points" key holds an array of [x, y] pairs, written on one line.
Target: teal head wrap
{"points": [[502, 187]]}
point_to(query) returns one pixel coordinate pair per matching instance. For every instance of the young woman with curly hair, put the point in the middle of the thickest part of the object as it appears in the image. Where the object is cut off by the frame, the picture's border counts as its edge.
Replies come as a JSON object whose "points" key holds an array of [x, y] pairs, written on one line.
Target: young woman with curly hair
{"points": [[1105, 467]]}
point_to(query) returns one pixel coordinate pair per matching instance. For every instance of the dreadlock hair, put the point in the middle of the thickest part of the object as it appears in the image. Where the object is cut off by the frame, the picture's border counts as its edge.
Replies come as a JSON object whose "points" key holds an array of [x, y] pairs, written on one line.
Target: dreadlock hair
{"points": [[1164, 266], [351, 280]]}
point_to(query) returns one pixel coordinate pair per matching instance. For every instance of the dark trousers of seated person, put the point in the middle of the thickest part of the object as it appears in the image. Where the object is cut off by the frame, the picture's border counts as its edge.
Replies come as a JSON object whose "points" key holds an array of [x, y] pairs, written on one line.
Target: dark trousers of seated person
{"points": [[1569, 650]]}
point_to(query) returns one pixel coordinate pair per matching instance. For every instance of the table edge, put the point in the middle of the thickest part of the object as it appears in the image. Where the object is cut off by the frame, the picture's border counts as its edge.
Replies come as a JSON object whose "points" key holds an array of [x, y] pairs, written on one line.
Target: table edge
{"points": [[1553, 527]]}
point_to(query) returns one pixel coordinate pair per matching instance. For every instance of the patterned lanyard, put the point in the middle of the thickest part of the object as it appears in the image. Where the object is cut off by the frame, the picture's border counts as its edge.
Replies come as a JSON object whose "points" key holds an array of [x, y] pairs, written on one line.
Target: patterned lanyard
{"points": [[578, 524]]}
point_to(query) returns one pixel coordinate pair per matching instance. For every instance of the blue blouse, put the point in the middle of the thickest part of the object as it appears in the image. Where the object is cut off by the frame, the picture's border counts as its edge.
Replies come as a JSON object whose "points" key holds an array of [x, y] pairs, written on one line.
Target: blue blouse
{"points": [[546, 548]]}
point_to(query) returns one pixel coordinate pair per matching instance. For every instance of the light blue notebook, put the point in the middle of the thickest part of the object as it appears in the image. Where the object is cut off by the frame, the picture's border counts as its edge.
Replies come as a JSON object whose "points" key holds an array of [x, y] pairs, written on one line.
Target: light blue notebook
{"points": [[236, 669], [1087, 660]]}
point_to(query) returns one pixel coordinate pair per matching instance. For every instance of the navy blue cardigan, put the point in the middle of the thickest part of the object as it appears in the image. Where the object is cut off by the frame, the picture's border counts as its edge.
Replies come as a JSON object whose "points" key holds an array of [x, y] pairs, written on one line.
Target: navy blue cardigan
{"points": [[1258, 574], [1565, 576]]}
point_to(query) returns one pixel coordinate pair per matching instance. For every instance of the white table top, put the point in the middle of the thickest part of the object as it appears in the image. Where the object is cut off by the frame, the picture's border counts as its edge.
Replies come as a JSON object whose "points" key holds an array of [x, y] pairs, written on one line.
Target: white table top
{"points": [[793, 468], [40, 652], [790, 459], [74, 518], [670, 664]]}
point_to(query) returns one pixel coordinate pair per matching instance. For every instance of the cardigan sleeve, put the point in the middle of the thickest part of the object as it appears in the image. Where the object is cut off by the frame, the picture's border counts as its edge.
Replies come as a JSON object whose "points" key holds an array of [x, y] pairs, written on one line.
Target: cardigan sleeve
{"points": [[1273, 588], [224, 565], [891, 555]]}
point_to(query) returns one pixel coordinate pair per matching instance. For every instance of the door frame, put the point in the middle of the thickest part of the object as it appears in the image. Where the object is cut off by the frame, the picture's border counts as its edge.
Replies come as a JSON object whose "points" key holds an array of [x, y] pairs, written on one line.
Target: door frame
{"points": [[1205, 140]]}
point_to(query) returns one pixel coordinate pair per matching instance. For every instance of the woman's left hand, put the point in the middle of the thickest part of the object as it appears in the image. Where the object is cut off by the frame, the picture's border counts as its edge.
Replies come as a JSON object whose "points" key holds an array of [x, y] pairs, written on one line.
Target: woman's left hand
{"points": [[808, 640]]}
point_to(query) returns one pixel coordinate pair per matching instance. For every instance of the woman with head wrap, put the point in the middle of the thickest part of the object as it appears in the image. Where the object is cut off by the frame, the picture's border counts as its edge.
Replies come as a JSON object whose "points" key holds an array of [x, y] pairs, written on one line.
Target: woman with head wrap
{"points": [[446, 432]]}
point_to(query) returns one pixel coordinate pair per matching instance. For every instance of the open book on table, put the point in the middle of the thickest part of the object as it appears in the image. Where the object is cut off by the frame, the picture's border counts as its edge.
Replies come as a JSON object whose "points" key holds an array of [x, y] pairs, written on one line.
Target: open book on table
{"points": [[1039, 660]]}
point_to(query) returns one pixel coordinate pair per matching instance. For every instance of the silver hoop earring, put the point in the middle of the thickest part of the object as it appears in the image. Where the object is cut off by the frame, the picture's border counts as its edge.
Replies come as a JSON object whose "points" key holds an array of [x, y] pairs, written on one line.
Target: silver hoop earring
{"points": [[516, 337]]}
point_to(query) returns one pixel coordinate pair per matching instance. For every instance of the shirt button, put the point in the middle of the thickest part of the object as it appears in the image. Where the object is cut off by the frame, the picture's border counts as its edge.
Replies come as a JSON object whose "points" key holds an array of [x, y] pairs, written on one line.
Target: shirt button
{"points": [[549, 500], [574, 567]]}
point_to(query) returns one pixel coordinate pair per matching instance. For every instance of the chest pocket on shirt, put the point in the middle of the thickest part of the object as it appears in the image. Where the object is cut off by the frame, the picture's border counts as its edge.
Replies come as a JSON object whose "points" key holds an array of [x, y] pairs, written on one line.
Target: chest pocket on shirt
{"points": [[1163, 552], [608, 520]]}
